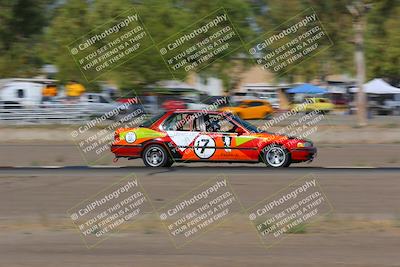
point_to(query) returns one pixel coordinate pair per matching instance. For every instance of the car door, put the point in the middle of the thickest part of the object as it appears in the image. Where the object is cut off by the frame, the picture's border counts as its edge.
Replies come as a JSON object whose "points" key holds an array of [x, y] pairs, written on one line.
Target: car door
{"points": [[182, 128], [221, 141], [255, 110]]}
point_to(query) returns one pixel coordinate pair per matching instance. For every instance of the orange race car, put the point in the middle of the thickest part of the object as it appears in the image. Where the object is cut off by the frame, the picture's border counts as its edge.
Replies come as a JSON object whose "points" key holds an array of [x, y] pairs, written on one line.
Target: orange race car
{"points": [[212, 136], [251, 109]]}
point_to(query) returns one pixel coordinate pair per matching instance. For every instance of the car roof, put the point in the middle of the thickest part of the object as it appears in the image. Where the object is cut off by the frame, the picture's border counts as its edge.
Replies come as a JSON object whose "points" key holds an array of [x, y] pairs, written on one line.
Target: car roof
{"points": [[196, 111]]}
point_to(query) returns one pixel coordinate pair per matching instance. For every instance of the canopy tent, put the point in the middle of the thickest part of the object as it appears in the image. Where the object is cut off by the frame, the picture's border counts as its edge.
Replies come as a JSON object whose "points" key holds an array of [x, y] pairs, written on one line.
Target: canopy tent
{"points": [[377, 86], [307, 89]]}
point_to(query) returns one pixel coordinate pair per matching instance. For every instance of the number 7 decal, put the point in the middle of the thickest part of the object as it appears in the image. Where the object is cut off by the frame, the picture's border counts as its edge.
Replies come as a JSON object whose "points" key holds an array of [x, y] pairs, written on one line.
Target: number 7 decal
{"points": [[204, 146]]}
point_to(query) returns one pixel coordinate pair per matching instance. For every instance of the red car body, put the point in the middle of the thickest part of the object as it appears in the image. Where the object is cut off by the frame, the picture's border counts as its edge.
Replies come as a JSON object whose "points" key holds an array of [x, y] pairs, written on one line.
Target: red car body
{"points": [[189, 136]]}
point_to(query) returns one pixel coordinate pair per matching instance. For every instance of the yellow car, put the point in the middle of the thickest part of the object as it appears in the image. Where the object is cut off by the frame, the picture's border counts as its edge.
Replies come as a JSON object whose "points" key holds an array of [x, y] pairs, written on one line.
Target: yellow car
{"points": [[251, 109], [312, 104]]}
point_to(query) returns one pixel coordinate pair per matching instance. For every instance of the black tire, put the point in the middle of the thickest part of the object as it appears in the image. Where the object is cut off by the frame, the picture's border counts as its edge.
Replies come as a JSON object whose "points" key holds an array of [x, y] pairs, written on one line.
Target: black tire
{"points": [[169, 163], [268, 116], [156, 156], [276, 156]]}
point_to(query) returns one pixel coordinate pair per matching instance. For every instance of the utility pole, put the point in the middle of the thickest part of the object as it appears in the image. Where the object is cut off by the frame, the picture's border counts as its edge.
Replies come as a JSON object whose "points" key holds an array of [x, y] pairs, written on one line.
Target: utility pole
{"points": [[358, 10]]}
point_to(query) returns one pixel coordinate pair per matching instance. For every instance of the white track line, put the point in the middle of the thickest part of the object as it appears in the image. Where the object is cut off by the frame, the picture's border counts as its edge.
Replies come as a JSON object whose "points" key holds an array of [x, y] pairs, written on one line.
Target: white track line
{"points": [[104, 166], [350, 167], [126, 166]]}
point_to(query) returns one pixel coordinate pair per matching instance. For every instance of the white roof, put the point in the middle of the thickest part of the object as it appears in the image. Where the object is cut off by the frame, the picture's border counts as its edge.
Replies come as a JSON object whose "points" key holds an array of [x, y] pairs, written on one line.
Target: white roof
{"points": [[174, 84], [377, 86]]}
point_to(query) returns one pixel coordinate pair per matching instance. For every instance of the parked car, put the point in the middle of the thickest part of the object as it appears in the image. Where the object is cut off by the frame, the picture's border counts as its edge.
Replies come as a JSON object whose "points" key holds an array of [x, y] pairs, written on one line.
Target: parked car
{"points": [[100, 104], [212, 136], [95, 104], [314, 104], [390, 105], [251, 109], [173, 104]]}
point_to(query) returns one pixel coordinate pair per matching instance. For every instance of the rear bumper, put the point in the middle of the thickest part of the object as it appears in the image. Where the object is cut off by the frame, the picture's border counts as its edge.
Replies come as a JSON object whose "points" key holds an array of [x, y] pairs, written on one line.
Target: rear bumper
{"points": [[303, 154], [131, 151]]}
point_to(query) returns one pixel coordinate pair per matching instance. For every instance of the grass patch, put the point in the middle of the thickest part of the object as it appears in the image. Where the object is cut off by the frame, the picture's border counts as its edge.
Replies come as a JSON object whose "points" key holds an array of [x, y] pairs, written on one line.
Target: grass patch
{"points": [[360, 164], [301, 228], [35, 163], [397, 222], [390, 125]]}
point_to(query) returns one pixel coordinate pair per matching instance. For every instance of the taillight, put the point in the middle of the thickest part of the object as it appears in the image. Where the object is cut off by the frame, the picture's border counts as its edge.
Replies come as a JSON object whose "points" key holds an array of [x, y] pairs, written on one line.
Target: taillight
{"points": [[116, 136]]}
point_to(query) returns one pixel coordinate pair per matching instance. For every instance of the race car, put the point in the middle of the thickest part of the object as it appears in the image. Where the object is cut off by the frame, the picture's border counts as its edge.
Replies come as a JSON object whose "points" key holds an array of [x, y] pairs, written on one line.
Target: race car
{"points": [[207, 136], [251, 109], [323, 105]]}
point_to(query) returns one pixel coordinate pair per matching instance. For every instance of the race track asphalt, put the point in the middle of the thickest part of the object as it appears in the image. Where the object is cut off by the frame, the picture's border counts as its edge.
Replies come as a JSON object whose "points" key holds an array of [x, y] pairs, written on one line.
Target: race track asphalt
{"points": [[363, 229]]}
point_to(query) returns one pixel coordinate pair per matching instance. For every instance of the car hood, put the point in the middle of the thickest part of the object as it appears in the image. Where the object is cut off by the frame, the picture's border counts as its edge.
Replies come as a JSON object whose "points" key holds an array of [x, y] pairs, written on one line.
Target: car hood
{"points": [[272, 136], [279, 138]]}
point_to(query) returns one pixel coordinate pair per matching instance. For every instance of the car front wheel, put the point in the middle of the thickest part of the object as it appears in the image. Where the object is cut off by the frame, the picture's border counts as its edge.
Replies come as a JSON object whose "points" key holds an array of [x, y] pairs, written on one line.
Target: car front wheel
{"points": [[156, 156], [276, 156]]}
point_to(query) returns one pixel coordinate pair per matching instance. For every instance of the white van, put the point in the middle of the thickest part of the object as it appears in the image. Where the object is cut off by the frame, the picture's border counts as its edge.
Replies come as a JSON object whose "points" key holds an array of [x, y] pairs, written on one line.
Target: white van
{"points": [[262, 91], [22, 92], [271, 97]]}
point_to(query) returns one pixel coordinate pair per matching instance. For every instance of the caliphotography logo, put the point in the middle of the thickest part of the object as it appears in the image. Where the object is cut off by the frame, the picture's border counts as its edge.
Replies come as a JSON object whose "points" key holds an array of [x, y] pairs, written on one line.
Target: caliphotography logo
{"points": [[198, 211]]}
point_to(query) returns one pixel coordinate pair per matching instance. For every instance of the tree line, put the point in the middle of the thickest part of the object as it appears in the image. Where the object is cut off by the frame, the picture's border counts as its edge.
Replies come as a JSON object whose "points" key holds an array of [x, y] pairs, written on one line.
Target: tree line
{"points": [[36, 32]]}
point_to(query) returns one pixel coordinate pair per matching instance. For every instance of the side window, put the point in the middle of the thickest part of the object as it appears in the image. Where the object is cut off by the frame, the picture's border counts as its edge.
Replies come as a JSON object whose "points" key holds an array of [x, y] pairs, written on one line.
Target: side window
{"points": [[255, 104], [103, 100], [179, 122], [196, 126], [20, 93], [216, 123]]}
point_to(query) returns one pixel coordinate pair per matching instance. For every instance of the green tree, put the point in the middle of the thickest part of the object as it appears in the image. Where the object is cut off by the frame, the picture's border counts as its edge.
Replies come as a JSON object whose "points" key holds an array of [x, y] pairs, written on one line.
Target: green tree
{"points": [[21, 25], [382, 41], [162, 18]]}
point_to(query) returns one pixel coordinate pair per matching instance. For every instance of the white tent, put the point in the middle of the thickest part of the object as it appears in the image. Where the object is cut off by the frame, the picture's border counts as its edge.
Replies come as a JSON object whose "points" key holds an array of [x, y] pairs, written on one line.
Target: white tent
{"points": [[377, 86]]}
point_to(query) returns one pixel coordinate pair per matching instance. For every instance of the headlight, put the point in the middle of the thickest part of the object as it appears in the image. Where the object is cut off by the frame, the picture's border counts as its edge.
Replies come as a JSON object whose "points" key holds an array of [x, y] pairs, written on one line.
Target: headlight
{"points": [[308, 144], [304, 144]]}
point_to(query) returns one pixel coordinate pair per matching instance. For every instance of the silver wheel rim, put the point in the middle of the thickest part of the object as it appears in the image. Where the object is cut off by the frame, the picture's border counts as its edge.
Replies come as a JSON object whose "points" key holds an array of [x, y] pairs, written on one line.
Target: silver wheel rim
{"points": [[276, 156], [154, 156]]}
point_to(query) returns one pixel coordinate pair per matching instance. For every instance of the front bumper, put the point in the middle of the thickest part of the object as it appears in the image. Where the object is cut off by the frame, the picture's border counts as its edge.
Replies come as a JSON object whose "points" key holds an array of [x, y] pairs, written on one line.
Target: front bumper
{"points": [[303, 154]]}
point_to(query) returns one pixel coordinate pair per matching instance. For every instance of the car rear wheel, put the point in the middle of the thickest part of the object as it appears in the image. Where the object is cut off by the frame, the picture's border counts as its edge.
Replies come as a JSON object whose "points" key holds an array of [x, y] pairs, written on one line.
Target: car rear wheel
{"points": [[268, 116], [156, 156], [276, 157]]}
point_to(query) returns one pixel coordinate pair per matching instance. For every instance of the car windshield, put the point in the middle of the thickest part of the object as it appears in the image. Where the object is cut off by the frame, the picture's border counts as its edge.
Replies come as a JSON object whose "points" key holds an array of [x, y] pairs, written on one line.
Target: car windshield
{"points": [[248, 126], [152, 120], [243, 103]]}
